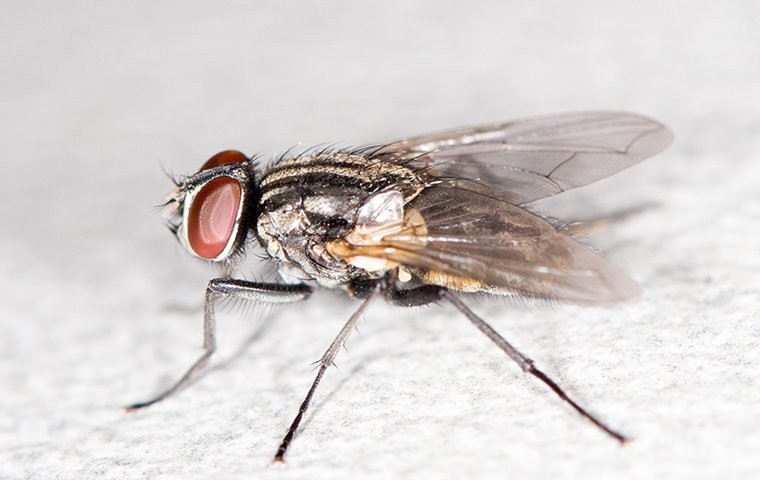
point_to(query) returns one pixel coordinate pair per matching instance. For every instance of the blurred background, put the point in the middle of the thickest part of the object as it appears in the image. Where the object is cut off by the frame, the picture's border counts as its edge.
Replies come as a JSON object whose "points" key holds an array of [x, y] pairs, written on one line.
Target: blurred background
{"points": [[99, 307]]}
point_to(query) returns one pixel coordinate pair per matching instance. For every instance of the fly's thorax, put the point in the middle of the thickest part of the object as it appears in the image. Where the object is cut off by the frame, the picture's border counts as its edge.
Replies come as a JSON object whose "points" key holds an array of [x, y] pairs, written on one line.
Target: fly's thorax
{"points": [[335, 176], [308, 202]]}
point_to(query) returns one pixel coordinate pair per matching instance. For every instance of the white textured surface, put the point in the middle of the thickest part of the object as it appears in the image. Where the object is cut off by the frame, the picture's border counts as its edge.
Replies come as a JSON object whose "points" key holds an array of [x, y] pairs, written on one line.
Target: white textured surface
{"points": [[99, 307]]}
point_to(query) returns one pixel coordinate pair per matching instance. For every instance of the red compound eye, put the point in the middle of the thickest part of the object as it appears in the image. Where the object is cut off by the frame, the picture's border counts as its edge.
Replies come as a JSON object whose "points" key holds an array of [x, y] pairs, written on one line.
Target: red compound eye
{"points": [[211, 220], [222, 158]]}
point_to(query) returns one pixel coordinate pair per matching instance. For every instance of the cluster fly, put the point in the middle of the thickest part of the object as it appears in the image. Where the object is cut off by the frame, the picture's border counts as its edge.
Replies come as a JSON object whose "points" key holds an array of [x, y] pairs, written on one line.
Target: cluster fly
{"points": [[418, 221]]}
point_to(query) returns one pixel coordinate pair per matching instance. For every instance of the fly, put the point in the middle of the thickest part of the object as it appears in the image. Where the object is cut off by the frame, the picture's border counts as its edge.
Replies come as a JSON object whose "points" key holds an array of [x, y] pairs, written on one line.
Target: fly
{"points": [[422, 220]]}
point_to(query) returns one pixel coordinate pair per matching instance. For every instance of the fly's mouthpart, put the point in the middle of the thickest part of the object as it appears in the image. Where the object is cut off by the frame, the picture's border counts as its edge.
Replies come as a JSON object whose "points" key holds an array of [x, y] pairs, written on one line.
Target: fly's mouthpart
{"points": [[173, 207]]}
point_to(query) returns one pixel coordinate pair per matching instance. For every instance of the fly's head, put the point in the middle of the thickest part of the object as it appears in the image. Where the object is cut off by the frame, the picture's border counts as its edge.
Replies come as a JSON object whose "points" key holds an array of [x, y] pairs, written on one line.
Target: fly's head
{"points": [[209, 211]]}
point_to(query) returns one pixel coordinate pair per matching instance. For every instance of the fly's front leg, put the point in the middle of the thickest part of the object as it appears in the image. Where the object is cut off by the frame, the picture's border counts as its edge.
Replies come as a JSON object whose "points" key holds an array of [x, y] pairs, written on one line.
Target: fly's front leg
{"points": [[217, 289]]}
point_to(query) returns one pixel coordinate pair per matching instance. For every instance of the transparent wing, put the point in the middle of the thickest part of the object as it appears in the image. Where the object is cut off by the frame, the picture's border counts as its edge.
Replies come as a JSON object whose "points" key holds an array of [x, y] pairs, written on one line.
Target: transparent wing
{"points": [[467, 241], [526, 160]]}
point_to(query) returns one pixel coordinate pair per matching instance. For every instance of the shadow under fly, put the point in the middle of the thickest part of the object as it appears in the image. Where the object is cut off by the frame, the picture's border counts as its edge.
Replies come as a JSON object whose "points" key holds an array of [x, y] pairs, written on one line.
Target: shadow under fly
{"points": [[416, 221]]}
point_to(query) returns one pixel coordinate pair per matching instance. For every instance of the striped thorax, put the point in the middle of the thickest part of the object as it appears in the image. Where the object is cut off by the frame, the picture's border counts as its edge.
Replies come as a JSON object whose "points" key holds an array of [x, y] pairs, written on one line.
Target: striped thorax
{"points": [[306, 202]]}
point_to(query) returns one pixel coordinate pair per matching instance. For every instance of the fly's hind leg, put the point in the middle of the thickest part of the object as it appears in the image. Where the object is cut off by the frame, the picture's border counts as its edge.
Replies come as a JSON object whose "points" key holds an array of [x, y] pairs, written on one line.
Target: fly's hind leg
{"points": [[217, 289], [426, 294], [527, 364], [601, 223], [415, 297]]}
